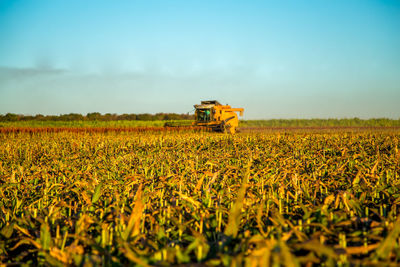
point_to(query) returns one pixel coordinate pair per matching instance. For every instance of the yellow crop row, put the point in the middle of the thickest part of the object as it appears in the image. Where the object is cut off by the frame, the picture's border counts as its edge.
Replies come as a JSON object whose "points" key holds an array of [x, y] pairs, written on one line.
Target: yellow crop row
{"points": [[162, 198]]}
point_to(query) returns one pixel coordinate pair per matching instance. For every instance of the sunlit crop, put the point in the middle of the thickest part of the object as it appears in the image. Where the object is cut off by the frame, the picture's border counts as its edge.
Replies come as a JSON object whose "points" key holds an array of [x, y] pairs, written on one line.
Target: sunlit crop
{"points": [[176, 197]]}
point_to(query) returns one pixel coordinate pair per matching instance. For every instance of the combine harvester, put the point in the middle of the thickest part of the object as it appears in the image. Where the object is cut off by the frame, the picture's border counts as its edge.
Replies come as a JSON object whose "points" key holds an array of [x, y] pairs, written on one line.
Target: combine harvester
{"points": [[211, 114]]}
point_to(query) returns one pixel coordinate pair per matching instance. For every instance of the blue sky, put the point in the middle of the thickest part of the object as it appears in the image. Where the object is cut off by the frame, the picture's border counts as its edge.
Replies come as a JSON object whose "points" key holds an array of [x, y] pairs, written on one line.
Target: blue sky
{"points": [[277, 59]]}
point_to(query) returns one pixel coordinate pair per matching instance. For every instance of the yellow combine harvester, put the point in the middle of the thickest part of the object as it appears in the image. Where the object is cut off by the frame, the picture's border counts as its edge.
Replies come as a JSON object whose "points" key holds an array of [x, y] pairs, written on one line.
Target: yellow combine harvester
{"points": [[220, 118], [211, 114]]}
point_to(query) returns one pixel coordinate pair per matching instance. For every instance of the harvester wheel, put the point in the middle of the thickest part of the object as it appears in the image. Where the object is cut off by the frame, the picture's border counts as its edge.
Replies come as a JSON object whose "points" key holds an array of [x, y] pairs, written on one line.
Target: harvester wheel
{"points": [[227, 128], [222, 127], [230, 129]]}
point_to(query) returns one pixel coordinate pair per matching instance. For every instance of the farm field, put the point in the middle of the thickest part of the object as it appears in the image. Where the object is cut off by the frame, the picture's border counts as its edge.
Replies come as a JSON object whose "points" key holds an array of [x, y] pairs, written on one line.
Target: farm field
{"points": [[298, 197], [271, 123]]}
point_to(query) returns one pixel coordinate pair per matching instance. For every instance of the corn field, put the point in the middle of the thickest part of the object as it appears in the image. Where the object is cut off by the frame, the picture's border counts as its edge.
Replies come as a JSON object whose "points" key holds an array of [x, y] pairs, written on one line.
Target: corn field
{"points": [[184, 197]]}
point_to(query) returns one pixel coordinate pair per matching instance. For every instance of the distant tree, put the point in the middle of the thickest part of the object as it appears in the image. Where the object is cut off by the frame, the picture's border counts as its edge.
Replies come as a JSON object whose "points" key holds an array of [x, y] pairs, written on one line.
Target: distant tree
{"points": [[94, 116], [11, 117], [144, 117], [38, 117], [26, 118], [110, 117], [71, 117]]}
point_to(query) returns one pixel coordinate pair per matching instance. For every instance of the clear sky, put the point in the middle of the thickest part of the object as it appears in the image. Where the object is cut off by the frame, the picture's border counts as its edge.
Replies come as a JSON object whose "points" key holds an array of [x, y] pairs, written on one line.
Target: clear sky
{"points": [[277, 59]]}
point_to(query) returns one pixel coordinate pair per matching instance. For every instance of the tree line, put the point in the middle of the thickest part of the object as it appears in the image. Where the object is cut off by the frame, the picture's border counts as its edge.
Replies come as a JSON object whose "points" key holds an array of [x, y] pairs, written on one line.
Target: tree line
{"points": [[96, 116]]}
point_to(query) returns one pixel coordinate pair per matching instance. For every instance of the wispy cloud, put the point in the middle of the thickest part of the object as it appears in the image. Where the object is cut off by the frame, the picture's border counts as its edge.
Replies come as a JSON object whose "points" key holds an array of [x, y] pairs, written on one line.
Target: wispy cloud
{"points": [[9, 73]]}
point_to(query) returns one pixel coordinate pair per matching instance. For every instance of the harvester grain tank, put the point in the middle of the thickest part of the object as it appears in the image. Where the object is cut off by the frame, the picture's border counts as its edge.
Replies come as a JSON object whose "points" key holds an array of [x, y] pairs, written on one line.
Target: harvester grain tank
{"points": [[220, 118]]}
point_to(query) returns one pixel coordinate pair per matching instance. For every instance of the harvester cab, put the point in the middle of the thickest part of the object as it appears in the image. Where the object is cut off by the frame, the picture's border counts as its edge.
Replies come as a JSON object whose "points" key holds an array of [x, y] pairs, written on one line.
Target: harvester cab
{"points": [[220, 118]]}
